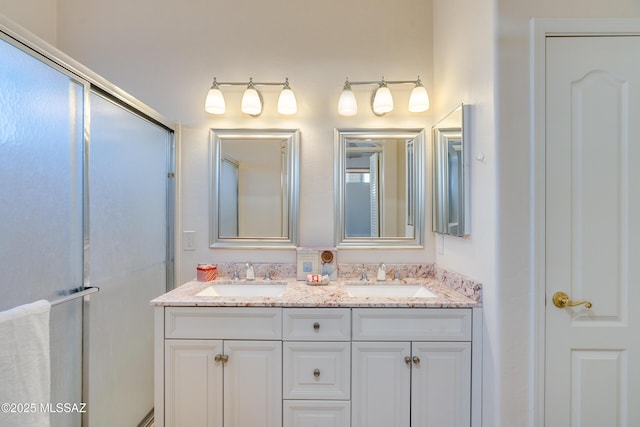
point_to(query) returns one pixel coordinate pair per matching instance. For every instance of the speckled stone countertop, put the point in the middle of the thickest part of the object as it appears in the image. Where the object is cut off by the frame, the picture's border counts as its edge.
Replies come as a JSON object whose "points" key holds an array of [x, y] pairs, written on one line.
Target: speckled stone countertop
{"points": [[299, 294]]}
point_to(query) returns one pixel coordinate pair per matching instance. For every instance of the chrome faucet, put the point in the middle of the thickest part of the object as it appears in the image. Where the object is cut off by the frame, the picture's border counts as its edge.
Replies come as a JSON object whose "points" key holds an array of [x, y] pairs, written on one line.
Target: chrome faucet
{"points": [[363, 276], [236, 274], [267, 275]]}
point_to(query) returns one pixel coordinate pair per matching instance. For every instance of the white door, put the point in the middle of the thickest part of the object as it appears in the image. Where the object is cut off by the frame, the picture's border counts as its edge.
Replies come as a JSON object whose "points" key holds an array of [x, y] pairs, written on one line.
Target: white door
{"points": [[380, 384], [592, 376], [441, 384], [253, 384], [193, 383]]}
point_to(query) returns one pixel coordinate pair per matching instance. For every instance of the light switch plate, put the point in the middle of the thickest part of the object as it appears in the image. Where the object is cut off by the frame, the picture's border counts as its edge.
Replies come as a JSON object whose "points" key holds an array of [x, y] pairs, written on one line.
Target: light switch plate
{"points": [[189, 240]]}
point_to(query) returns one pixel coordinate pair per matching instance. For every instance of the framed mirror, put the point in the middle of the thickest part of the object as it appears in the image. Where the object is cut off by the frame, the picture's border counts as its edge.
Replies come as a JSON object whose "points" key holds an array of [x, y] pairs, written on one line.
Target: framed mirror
{"points": [[254, 187], [451, 174], [379, 187]]}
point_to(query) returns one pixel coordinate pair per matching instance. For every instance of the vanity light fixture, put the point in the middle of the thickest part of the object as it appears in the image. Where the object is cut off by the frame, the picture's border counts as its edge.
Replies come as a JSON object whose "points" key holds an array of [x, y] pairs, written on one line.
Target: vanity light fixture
{"points": [[382, 100], [251, 99]]}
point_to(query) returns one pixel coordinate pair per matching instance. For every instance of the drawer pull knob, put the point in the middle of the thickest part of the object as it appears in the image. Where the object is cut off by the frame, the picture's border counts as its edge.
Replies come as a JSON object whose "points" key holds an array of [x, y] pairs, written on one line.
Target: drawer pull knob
{"points": [[316, 373], [416, 360], [407, 360], [221, 358], [316, 326]]}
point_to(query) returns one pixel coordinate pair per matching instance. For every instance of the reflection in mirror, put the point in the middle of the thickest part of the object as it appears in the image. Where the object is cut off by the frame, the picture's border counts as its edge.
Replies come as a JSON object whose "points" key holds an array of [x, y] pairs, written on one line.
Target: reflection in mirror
{"points": [[450, 174], [254, 187], [379, 187]]}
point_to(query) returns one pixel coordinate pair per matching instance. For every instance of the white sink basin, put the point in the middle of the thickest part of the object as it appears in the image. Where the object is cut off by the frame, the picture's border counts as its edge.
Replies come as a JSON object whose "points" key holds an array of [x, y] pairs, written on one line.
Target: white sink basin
{"points": [[393, 291], [243, 290]]}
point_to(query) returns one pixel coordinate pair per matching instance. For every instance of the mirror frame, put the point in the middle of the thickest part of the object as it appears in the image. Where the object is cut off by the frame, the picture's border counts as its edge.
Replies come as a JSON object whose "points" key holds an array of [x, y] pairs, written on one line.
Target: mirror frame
{"points": [[292, 136], [443, 132], [340, 143]]}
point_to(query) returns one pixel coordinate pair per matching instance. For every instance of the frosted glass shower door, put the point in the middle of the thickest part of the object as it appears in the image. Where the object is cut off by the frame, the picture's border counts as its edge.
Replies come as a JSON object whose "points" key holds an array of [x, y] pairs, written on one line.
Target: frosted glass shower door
{"points": [[128, 187], [41, 206]]}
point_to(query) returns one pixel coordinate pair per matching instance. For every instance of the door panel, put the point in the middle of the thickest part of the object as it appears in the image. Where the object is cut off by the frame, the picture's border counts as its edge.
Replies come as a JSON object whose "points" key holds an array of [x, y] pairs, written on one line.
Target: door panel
{"points": [[441, 384], [380, 394], [41, 206], [193, 383], [253, 384], [592, 245]]}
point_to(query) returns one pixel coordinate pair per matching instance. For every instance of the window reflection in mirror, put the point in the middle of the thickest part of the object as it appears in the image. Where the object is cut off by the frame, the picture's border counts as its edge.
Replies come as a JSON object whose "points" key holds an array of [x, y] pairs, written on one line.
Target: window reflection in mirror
{"points": [[450, 186], [379, 177], [254, 187]]}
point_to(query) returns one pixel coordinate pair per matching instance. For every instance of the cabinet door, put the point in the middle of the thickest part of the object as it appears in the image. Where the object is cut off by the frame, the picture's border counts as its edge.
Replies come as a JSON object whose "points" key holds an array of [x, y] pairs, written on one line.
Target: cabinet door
{"points": [[193, 383], [441, 384], [253, 384], [380, 384]]}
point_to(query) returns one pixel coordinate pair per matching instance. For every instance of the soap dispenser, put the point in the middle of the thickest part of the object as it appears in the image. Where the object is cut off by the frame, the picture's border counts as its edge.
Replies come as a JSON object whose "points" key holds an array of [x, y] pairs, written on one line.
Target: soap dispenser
{"points": [[251, 275], [382, 272]]}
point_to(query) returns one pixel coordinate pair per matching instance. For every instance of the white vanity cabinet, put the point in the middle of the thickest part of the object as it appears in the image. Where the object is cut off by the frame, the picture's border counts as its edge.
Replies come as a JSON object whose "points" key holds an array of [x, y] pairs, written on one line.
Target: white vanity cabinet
{"points": [[222, 367], [411, 367], [317, 367]]}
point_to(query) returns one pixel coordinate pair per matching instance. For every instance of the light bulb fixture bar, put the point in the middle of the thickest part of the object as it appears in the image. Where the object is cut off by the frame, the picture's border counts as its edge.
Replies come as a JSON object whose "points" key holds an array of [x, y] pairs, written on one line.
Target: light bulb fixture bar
{"points": [[381, 99], [252, 101]]}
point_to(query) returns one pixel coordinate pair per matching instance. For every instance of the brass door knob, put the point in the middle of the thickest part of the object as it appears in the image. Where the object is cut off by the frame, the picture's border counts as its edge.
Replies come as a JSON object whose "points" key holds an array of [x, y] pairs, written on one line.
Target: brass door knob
{"points": [[562, 300], [221, 358]]}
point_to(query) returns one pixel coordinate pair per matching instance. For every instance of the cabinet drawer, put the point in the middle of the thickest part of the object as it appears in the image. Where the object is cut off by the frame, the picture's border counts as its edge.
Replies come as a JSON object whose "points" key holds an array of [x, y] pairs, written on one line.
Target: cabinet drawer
{"points": [[311, 324], [312, 413], [316, 370], [223, 323], [413, 324]]}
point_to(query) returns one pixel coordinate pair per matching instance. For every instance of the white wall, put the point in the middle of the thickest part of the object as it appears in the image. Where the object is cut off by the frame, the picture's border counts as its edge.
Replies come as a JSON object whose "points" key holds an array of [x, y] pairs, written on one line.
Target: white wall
{"points": [[464, 72], [43, 23], [168, 58]]}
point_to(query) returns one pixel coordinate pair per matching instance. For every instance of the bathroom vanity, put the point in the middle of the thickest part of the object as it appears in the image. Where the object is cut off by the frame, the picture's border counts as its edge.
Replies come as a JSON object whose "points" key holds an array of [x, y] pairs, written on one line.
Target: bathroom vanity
{"points": [[284, 353]]}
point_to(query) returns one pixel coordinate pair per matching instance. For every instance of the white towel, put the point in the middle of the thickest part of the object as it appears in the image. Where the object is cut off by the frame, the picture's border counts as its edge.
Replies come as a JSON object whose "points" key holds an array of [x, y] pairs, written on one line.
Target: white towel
{"points": [[25, 370]]}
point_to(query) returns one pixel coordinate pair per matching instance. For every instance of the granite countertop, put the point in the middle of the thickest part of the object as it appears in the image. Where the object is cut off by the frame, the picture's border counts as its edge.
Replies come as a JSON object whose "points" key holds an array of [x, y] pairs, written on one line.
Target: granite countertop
{"points": [[299, 294]]}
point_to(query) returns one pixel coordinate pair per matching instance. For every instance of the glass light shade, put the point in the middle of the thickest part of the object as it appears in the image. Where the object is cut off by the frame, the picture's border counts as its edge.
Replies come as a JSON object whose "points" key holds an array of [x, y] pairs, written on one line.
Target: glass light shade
{"points": [[287, 102], [382, 101], [251, 102], [214, 103], [347, 105], [419, 99]]}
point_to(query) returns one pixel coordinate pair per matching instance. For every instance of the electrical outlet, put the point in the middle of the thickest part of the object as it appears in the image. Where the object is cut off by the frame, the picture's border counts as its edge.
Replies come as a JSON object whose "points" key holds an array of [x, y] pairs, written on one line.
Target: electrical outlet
{"points": [[189, 240]]}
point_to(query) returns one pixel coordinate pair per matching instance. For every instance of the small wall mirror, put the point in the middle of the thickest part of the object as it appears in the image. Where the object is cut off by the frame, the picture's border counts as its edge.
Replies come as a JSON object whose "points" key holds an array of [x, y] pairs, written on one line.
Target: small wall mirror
{"points": [[451, 174], [254, 187], [379, 187]]}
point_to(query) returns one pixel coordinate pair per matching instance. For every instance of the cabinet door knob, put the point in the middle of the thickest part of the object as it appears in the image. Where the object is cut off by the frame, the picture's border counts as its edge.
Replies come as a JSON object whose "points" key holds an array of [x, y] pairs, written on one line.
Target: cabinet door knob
{"points": [[416, 360], [316, 326], [316, 373], [407, 360], [221, 358]]}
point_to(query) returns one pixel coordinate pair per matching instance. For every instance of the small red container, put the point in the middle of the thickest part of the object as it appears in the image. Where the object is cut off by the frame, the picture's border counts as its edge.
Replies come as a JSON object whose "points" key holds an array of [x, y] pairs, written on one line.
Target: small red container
{"points": [[206, 272]]}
